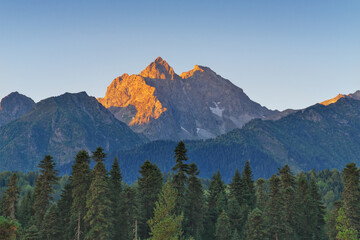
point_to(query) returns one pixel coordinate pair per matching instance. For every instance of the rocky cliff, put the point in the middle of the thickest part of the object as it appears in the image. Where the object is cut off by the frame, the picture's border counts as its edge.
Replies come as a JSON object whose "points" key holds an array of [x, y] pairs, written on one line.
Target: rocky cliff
{"points": [[197, 104], [13, 106]]}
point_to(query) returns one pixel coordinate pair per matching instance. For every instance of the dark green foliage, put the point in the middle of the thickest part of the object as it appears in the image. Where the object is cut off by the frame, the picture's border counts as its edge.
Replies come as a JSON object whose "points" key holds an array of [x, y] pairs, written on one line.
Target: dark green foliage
{"points": [[351, 196], [236, 218], [181, 171], [44, 188], [317, 210], [31, 233], [261, 195], [10, 198], [9, 228], [66, 229], [51, 228], [331, 221], [255, 227], [26, 210], [235, 187], [194, 204], [115, 180], [223, 231], [130, 211], [80, 183], [345, 230], [98, 203], [150, 184]]}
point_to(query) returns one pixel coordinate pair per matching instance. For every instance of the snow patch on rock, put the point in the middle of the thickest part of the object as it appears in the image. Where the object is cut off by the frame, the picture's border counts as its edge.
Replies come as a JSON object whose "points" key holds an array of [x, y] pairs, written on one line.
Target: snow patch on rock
{"points": [[217, 110]]}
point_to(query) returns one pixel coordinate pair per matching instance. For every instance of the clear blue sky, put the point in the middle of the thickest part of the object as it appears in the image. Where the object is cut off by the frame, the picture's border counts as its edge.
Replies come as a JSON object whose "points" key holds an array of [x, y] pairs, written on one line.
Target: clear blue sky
{"points": [[283, 54]]}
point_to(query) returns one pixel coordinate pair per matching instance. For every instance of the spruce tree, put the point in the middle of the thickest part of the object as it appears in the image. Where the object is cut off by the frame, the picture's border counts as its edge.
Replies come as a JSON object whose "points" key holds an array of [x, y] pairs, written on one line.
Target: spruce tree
{"points": [[248, 188], [115, 180], [223, 231], [305, 217], [235, 187], [193, 207], [288, 188], [150, 184], [318, 212], [64, 213], [166, 224], [255, 227], [51, 228], [181, 171], [235, 236], [44, 188], [98, 202], [10, 199], [351, 195], [130, 211], [80, 182], [26, 210], [235, 215], [273, 212], [261, 196], [216, 194]]}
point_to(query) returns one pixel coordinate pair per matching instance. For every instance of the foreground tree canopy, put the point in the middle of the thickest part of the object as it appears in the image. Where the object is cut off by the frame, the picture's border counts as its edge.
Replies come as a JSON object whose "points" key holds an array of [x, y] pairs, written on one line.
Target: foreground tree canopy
{"points": [[96, 204]]}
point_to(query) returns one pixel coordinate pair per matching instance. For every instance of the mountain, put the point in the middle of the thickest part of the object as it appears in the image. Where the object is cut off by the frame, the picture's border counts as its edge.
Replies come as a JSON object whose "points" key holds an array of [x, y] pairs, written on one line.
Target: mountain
{"points": [[355, 95], [197, 104], [316, 137], [61, 126], [14, 106]]}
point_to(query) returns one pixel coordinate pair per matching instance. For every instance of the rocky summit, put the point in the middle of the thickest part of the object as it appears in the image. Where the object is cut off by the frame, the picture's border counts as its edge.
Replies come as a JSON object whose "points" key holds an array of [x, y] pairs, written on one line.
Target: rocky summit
{"points": [[13, 106], [197, 104]]}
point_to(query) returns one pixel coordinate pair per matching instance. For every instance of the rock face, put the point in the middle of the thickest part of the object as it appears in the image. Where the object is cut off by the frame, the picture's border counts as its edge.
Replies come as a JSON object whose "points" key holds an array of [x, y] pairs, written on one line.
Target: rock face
{"points": [[13, 106], [61, 126], [355, 96], [198, 104]]}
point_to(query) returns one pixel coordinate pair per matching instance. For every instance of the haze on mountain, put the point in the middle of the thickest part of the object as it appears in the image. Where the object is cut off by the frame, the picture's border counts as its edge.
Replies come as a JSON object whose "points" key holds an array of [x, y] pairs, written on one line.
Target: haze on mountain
{"points": [[198, 104], [61, 126]]}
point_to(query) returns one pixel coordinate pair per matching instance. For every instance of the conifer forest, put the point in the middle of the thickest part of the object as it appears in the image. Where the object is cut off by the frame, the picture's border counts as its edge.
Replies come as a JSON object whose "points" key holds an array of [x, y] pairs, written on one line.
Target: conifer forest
{"points": [[95, 203]]}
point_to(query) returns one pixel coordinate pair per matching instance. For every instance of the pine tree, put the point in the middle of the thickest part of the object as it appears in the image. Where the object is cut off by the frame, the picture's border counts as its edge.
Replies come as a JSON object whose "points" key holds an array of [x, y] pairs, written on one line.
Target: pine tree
{"points": [[64, 213], [10, 199], [223, 231], [273, 211], [51, 228], [129, 209], [31, 233], [181, 170], [255, 227], [351, 195], [261, 196], [216, 189], [26, 211], [304, 216], [80, 183], [98, 203], [248, 188], [44, 188], [150, 184], [318, 212], [288, 186], [235, 215], [166, 224], [115, 194], [235, 187], [193, 207]]}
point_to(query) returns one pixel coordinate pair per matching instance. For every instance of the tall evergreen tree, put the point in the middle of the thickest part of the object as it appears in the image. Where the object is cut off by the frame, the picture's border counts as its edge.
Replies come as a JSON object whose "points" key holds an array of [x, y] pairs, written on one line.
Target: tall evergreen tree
{"points": [[318, 212], [255, 227], [115, 194], [223, 231], [216, 194], [181, 170], [346, 230], [80, 183], [150, 184], [26, 210], [261, 196], [236, 187], [130, 211], [248, 188], [332, 221], [235, 215], [288, 188], [273, 211], [351, 195], [193, 207], [44, 188], [304, 217], [98, 202], [66, 230], [166, 224], [51, 229], [10, 199]]}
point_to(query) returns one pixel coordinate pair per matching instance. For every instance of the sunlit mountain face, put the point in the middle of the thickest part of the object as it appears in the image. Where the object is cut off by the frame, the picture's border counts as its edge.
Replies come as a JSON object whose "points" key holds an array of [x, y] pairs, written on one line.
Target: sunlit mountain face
{"points": [[355, 95], [197, 104]]}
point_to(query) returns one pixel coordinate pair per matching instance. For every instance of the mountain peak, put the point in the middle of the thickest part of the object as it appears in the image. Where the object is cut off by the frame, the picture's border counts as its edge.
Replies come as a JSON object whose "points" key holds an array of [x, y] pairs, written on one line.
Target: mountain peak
{"points": [[355, 95], [159, 69]]}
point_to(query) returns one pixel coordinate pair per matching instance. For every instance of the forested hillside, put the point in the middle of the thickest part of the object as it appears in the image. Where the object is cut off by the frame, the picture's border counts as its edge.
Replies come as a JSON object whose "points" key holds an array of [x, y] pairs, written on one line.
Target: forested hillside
{"points": [[96, 204]]}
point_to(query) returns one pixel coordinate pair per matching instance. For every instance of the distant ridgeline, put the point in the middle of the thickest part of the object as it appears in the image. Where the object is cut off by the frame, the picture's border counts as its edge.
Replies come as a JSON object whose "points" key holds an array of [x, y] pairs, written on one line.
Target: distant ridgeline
{"points": [[94, 203]]}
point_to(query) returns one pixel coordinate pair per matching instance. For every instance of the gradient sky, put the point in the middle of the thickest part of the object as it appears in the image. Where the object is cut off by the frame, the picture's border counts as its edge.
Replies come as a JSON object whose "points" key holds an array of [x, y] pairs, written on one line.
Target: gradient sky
{"points": [[283, 54]]}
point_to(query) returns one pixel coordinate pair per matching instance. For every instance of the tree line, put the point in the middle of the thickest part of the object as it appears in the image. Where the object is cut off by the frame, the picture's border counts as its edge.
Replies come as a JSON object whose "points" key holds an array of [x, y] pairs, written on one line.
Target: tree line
{"points": [[96, 204]]}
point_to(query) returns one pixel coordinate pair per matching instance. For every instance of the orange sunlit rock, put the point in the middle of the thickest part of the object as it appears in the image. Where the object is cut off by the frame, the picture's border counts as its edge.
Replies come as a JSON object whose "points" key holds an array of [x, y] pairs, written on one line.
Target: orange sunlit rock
{"points": [[133, 90], [190, 73], [333, 100], [159, 69]]}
